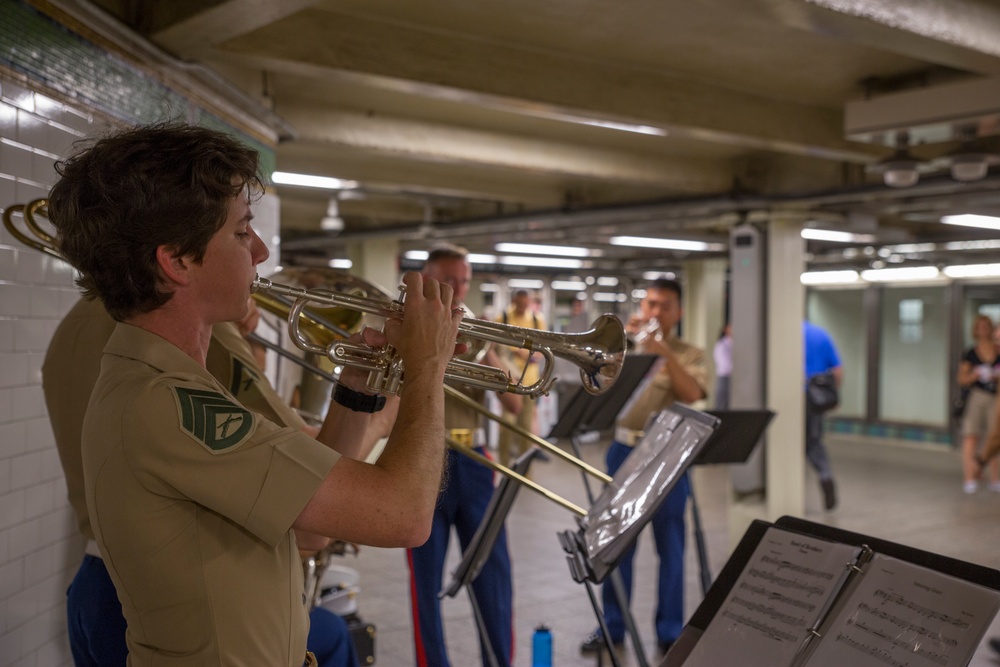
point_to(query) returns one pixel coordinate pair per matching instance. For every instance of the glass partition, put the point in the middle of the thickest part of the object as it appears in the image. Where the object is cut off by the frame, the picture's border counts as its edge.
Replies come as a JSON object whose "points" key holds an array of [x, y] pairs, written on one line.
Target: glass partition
{"points": [[913, 360]]}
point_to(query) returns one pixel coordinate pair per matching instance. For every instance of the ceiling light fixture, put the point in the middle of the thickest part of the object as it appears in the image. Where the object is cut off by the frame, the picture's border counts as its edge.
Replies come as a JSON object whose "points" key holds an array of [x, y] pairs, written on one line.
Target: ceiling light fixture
{"points": [[309, 181], [522, 283], [546, 262], [968, 163], [901, 169], [534, 249], [972, 220], [901, 274], [340, 264], [829, 277], [568, 285], [812, 234], [666, 244], [656, 275], [332, 222], [972, 271]]}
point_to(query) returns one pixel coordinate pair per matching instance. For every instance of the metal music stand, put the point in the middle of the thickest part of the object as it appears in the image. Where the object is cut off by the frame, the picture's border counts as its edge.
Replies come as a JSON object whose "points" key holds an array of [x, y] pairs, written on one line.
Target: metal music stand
{"points": [[481, 545], [672, 442], [738, 433], [586, 412]]}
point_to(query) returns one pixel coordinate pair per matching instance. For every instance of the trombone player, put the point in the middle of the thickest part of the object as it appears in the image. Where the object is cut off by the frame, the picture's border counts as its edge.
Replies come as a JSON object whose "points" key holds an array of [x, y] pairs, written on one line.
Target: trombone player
{"points": [[463, 503], [192, 496]]}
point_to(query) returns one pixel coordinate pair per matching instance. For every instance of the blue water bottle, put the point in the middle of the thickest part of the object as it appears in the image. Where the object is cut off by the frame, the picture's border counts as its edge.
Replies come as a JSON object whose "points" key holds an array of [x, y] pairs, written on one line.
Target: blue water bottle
{"points": [[541, 647]]}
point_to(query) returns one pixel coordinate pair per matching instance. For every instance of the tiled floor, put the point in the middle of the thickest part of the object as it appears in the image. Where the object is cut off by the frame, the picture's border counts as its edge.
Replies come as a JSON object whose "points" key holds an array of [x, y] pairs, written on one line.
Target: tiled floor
{"points": [[908, 495]]}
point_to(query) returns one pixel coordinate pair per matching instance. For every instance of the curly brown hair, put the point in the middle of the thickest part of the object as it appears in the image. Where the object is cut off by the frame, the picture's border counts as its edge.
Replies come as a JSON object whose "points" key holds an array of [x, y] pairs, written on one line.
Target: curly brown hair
{"points": [[122, 196]]}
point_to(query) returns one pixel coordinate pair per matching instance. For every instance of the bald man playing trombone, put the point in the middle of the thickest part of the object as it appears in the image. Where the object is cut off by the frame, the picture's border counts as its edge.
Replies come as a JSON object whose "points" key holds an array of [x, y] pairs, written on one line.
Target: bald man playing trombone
{"points": [[193, 498]]}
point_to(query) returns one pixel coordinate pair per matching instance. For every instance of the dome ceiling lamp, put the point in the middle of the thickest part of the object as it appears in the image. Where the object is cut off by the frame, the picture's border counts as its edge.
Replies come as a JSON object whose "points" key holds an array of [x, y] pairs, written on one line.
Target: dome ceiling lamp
{"points": [[902, 168]]}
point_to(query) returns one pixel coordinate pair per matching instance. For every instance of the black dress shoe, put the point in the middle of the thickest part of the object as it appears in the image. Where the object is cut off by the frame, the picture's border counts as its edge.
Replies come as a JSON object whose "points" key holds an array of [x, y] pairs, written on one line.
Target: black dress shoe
{"points": [[829, 493], [663, 647], [995, 644], [594, 643]]}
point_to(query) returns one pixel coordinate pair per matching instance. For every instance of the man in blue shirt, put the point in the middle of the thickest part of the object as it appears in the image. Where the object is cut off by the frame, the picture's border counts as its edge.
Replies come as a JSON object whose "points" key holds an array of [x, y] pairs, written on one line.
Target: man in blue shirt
{"points": [[820, 357]]}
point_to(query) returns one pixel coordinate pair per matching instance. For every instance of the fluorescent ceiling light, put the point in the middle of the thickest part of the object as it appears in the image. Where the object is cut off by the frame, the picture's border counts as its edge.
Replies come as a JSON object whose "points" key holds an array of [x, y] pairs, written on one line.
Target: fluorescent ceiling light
{"points": [[489, 287], [838, 237], [554, 262], [901, 274], [607, 281], [608, 296], [654, 275], [421, 256], [973, 245], [626, 127], [666, 244], [557, 250], [639, 294], [972, 271], [568, 285], [308, 181], [340, 263], [829, 277], [972, 220], [523, 283]]}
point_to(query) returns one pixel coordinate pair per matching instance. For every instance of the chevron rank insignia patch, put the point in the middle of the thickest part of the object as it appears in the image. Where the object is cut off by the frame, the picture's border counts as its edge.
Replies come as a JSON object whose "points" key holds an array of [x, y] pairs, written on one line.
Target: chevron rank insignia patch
{"points": [[245, 382], [213, 419]]}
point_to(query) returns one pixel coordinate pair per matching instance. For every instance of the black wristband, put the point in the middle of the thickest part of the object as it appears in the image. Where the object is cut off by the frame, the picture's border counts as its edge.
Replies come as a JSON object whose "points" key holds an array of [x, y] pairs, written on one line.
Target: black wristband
{"points": [[357, 401]]}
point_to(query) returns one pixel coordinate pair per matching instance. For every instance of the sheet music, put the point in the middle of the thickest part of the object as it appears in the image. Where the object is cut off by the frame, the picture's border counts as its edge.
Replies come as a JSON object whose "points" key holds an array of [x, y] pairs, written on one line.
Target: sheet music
{"points": [[782, 592], [904, 615]]}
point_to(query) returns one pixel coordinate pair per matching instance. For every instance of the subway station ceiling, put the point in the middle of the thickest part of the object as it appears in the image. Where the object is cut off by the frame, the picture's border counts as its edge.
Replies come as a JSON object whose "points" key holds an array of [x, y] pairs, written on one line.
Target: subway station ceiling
{"points": [[570, 122]]}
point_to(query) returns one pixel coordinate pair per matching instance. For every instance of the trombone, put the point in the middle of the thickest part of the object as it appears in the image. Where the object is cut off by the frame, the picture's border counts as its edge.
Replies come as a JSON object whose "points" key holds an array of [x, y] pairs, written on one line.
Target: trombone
{"points": [[598, 356]]}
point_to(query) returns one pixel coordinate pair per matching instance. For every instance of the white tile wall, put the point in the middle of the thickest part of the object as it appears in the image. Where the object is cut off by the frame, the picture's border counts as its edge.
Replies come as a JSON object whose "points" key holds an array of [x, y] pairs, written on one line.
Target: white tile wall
{"points": [[39, 545]]}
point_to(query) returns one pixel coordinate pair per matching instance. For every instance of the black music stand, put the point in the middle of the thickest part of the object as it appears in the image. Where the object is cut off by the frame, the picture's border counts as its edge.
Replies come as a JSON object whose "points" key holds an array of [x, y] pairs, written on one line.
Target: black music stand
{"points": [[585, 412], [672, 442], [481, 545], [738, 433]]}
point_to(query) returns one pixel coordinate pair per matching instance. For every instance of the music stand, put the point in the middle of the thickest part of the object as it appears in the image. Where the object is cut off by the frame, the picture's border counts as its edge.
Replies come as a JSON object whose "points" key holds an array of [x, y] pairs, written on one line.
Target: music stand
{"points": [[640, 486], [483, 541], [738, 433], [586, 412]]}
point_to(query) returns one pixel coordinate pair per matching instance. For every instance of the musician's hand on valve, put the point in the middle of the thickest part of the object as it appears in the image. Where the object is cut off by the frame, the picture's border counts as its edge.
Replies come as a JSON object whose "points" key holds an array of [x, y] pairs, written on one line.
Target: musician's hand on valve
{"points": [[425, 337], [355, 378]]}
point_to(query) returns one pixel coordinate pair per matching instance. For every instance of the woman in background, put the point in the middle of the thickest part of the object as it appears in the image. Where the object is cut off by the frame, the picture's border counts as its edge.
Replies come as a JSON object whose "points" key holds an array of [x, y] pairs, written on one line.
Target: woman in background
{"points": [[978, 371]]}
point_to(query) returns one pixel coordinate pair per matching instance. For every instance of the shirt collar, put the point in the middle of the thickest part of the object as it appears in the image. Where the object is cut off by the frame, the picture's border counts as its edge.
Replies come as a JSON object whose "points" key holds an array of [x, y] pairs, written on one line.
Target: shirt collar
{"points": [[132, 342]]}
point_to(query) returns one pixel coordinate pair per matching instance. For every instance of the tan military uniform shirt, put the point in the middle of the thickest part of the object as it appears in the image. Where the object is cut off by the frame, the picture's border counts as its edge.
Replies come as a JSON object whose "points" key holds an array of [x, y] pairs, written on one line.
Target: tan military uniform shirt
{"points": [[73, 362], [192, 499], [69, 372], [656, 393], [457, 415], [527, 321]]}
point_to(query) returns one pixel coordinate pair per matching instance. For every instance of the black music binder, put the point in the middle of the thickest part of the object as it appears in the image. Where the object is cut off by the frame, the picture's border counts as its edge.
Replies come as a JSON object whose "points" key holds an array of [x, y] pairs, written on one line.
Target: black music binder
{"points": [[801, 594]]}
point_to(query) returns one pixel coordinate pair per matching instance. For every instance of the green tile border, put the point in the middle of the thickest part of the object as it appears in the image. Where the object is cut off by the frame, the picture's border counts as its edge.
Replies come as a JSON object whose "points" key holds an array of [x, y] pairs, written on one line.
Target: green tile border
{"points": [[49, 53]]}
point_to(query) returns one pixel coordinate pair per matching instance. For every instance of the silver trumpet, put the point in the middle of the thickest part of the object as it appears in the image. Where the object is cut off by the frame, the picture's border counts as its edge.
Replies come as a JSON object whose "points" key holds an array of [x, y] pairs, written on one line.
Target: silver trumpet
{"points": [[598, 353]]}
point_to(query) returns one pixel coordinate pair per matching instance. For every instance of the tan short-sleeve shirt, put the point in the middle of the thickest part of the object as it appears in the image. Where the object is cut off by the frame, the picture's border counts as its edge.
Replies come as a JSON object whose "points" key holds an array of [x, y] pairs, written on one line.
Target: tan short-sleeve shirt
{"points": [[657, 393], [73, 363], [192, 499]]}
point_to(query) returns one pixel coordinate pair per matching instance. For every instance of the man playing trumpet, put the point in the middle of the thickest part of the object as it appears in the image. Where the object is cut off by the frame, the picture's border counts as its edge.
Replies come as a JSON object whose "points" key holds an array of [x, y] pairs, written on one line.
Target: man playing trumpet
{"points": [[679, 375], [193, 498]]}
